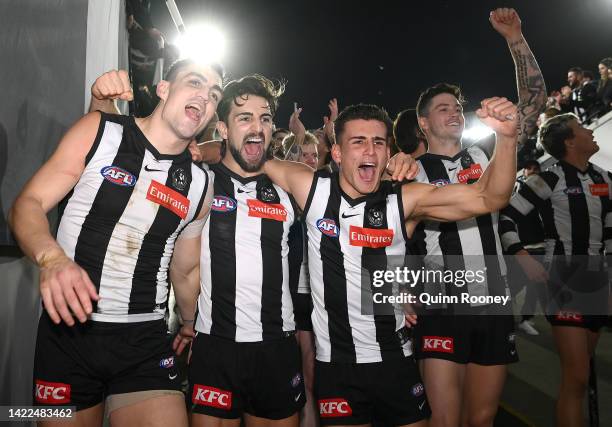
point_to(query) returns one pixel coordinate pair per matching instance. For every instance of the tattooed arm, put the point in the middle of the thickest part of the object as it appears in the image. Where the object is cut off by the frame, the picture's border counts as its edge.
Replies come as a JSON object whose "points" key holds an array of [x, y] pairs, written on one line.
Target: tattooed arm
{"points": [[529, 79]]}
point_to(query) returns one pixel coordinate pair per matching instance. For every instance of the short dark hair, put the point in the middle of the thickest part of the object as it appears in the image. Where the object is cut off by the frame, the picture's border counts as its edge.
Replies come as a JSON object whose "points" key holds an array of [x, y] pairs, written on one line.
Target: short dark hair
{"points": [[362, 112], [177, 66], [424, 102], [576, 70], [554, 132], [531, 163], [256, 85], [588, 74], [406, 131]]}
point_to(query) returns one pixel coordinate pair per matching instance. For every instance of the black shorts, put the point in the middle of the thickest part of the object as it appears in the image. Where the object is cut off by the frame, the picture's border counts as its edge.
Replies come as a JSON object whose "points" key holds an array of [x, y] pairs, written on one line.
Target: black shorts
{"points": [[228, 378], [578, 320], [83, 364], [480, 339], [390, 392]]}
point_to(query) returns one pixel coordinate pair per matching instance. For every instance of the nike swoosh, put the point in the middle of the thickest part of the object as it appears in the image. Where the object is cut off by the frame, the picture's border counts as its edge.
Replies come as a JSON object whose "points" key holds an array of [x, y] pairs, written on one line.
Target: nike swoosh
{"points": [[244, 191], [172, 376], [152, 170], [348, 216], [298, 397], [421, 405], [450, 170]]}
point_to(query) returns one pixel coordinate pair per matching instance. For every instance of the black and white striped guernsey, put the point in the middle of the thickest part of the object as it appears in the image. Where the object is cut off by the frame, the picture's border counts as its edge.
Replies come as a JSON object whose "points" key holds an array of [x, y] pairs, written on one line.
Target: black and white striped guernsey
{"points": [[244, 268], [574, 206], [121, 220], [347, 238], [460, 245]]}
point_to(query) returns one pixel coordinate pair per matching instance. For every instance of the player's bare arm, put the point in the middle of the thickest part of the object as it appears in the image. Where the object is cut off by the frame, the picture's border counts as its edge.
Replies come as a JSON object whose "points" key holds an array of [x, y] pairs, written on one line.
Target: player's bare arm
{"points": [[490, 193], [529, 79], [293, 177], [65, 287]]}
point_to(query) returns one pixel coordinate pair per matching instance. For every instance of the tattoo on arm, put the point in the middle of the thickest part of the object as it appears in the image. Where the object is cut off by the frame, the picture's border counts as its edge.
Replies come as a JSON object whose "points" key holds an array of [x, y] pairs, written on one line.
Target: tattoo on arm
{"points": [[531, 88]]}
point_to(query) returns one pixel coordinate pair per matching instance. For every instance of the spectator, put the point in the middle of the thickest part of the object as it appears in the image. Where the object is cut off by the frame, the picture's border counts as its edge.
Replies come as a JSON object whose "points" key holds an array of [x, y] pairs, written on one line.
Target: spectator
{"points": [[305, 153], [578, 97], [604, 87], [408, 136], [277, 140]]}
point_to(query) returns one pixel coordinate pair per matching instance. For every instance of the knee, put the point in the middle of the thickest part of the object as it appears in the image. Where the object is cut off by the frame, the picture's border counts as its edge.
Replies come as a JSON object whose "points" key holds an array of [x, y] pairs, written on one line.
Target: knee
{"points": [[481, 418], [576, 381]]}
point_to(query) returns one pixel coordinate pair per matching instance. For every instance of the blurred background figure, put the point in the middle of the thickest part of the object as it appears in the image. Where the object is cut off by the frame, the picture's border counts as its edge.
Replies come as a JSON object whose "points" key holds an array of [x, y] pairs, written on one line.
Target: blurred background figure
{"points": [[408, 136]]}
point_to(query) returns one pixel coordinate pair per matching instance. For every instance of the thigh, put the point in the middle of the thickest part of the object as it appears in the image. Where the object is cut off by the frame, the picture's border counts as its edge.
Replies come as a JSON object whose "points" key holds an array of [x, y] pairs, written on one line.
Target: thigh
{"points": [[168, 410], [482, 390], [216, 388], [276, 388], [573, 347], [90, 417], [64, 372], [444, 385]]}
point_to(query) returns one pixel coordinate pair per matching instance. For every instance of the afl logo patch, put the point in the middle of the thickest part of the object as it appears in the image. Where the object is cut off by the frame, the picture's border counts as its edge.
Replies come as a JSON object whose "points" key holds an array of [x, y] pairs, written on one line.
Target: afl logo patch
{"points": [[418, 389], [118, 176], [573, 191], [440, 182], [328, 227], [223, 204]]}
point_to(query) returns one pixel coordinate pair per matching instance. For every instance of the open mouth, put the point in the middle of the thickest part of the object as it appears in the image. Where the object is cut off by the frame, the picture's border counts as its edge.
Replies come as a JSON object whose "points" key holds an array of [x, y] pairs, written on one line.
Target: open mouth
{"points": [[454, 124], [194, 111], [253, 147], [367, 171]]}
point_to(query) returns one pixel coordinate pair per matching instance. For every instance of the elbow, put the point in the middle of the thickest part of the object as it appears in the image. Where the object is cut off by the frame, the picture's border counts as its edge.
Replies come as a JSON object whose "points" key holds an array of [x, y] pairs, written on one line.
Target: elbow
{"points": [[498, 202]]}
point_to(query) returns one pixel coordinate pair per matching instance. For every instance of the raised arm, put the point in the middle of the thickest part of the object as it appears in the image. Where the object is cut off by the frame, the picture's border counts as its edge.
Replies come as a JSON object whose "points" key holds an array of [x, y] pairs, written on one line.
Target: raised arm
{"points": [[109, 87], [293, 177], [490, 193], [529, 79], [63, 284]]}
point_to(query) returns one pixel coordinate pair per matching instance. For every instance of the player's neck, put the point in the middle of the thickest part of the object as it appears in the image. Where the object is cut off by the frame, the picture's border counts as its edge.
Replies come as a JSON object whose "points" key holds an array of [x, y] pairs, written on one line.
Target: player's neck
{"points": [[351, 191], [579, 162], [444, 147], [160, 135]]}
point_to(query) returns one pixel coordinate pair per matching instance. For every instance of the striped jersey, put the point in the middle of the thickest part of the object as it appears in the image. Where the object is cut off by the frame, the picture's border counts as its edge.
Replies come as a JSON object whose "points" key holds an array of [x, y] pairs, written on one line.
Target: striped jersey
{"points": [[348, 239], [121, 220], [460, 245], [244, 268], [574, 206]]}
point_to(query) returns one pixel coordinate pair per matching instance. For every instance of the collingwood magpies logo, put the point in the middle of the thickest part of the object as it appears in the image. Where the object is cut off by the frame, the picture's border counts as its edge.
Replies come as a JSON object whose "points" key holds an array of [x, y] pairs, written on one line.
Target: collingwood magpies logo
{"points": [[375, 217], [267, 194], [179, 180]]}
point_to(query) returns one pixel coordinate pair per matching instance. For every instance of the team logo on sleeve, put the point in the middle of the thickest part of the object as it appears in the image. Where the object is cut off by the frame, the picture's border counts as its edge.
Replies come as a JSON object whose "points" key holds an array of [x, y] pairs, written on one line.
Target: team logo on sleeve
{"points": [[328, 227], [370, 237], [223, 204], [168, 198], [118, 176], [600, 190], [274, 211]]}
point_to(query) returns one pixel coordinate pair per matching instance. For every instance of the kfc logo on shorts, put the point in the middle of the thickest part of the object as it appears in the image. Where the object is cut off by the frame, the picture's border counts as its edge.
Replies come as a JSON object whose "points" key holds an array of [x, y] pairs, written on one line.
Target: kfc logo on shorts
{"points": [[211, 396], [274, 211], [336, 407], [223, 204], [370, 237], [474, 172], [168, 198], [51, 393], [328, 227], [167, 362], [439, 344], [569, 316], [118, 176]]}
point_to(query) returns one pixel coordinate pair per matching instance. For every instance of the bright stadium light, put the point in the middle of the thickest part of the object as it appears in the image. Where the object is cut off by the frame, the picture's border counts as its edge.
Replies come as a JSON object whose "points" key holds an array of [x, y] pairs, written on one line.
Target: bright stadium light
{"points": [[477, 132], [202, 43]]}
